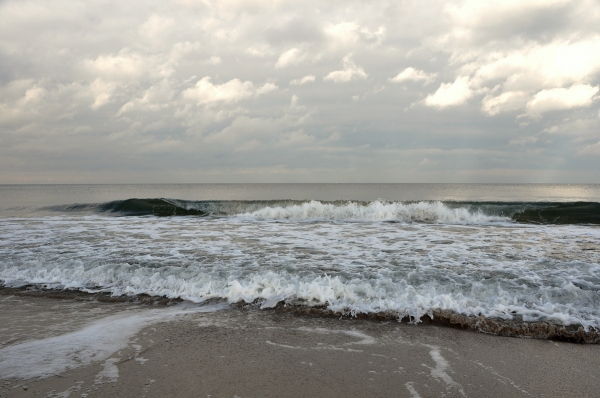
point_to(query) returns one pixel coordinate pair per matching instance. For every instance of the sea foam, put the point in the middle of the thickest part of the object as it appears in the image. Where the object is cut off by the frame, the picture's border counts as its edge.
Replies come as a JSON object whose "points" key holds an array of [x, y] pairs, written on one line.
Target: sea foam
{"points": [[94, 342], [506, 271], [374, 211]]}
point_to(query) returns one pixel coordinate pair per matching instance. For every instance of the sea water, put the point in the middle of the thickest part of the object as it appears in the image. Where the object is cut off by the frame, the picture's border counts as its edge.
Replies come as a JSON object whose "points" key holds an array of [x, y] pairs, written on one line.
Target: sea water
{"points": [[527, 253]]}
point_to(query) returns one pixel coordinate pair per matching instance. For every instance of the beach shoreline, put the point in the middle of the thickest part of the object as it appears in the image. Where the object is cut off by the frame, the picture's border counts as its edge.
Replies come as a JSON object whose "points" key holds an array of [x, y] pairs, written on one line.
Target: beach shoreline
{"points": [[248, 352], [516, 327]]}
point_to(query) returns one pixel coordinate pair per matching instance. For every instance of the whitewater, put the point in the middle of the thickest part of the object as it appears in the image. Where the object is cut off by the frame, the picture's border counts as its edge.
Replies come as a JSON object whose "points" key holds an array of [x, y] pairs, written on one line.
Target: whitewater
{"points": [[405, 259]]}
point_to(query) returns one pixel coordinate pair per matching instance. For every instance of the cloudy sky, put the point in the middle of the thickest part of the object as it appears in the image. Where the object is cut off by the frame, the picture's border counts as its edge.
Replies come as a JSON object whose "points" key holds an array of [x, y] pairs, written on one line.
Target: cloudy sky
{"points": [[299, 91]]}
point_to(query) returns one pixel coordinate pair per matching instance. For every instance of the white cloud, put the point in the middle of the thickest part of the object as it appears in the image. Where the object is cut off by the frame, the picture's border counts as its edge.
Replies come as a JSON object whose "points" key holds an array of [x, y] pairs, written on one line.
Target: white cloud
{"points": [[583, 127], [347, 34], [523, 72], [205, 92], [537, 66], [296, 139], [154, 99], [450, 94], [102, 91], [33, 95], [304, 80], [266, 88], [427, 163], [138, 73], [123, 66], [592, 149], [556, 99], [291, 57], [550, 130], [350, 72], [156, 26], [214, 60], [20, 101], [516, 49], [524, 140], [412, 74], [507, 101], [258, 52], [294, 101], [249, 133]]}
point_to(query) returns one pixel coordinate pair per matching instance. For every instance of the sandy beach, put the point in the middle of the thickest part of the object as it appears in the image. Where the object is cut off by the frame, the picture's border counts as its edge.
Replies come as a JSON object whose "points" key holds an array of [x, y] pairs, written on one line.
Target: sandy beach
{"points": [[85, 348]]}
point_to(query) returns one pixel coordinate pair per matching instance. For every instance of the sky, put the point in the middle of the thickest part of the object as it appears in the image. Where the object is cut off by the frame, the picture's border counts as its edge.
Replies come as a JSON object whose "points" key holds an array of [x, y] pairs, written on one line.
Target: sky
{"points": [[299, 91]]}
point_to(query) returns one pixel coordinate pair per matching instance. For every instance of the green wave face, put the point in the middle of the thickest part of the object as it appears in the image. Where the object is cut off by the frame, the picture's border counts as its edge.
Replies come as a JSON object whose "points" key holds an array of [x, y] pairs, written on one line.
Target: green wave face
{"points": [[154, 207], [562, 213]]}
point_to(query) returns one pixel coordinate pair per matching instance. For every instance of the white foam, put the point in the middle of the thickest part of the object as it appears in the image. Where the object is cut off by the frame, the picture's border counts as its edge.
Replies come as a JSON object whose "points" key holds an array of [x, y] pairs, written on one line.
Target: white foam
{"points": [[540, 273], [95, 342], [374, 211], [411, 390], [440, 371], [109, 373], [67, 393]]}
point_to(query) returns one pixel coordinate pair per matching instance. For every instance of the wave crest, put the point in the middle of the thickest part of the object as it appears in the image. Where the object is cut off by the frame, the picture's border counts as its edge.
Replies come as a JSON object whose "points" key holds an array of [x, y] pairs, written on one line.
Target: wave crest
{"points": [[374, 211], [378, 210]]}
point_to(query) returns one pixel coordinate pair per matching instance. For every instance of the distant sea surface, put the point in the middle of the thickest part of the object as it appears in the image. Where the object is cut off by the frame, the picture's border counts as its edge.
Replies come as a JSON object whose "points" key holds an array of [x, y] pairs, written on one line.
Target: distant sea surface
{"points": [[512, 253]]}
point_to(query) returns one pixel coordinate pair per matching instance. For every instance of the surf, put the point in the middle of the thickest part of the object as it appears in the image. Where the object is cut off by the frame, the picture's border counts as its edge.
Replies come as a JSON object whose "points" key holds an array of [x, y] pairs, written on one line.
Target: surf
{"points": [[444, 212]]}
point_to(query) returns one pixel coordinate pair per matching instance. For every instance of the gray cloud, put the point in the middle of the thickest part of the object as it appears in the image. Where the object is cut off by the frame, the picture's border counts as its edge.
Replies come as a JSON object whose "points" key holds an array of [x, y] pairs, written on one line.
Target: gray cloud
{"points": [[250, 90]]}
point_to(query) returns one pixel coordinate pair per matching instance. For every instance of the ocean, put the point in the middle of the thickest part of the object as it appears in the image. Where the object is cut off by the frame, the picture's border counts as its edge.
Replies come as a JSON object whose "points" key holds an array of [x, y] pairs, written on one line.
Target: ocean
{"points": [[511, 259]]}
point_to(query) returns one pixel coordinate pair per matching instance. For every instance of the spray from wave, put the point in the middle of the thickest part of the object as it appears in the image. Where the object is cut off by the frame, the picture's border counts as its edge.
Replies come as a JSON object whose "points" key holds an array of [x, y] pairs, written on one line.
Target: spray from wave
{"points": [[378, 210], [374, 211]]}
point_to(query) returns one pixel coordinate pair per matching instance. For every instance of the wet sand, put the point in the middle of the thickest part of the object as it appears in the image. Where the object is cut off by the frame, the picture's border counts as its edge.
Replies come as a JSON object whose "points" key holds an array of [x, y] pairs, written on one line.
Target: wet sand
{"points": [[251, 353]]}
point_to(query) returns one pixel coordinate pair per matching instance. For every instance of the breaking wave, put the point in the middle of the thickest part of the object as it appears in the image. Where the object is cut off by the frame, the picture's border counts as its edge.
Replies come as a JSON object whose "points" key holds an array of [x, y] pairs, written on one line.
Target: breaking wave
{"points": [[378, 210], [515, 273]]}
